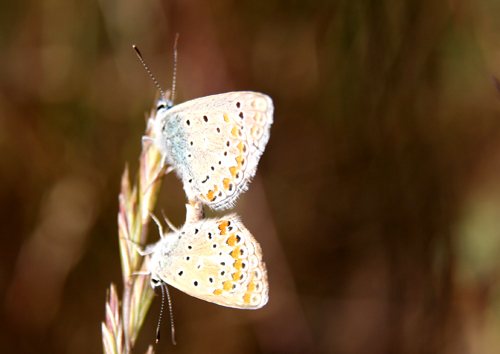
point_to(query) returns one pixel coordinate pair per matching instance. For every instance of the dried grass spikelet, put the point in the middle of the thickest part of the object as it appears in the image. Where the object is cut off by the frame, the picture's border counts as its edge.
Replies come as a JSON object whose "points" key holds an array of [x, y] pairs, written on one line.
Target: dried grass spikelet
{"points": [[121, 327]]}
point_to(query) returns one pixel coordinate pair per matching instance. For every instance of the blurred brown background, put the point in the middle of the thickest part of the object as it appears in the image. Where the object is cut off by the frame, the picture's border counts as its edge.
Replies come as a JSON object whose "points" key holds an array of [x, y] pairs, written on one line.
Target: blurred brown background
{"points": [[377, 201]]}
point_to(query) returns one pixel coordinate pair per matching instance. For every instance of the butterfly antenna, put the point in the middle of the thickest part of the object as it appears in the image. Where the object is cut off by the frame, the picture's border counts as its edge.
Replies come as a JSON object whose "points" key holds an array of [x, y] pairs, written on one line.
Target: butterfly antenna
{"points": [[175, 67], [174, 342], [161, 313], [163, 289], [147, 69]]}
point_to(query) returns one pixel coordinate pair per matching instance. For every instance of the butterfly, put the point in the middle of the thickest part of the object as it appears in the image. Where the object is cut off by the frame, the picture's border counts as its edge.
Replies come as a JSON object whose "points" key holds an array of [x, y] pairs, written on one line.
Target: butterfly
{"points": [[216, 260], [214, 143]]}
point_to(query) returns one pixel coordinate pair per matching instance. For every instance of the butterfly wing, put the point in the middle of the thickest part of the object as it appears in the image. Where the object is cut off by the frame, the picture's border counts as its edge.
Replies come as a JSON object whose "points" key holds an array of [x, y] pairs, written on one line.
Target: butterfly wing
{"points": [[219, 261], [215, 143]]}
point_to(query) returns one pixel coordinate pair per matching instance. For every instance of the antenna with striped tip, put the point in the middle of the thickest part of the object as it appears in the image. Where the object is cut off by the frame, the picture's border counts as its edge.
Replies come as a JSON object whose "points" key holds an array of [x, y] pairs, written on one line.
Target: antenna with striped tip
{"points": [[147, 69], [175, 67], [152, 76], [163, 289]]}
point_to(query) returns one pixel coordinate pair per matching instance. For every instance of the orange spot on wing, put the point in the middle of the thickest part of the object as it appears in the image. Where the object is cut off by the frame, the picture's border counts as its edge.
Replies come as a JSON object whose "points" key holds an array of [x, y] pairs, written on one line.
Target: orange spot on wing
{"points": [[236, 276], [233, 170], [227, 285], [236, 252], [226, 118], [247, 297], [238, 264], [226, 182], [239, 159], [251, 286], [234, 132], [231, 241], [222, 227], [211, 194], [218, 292], [241, 147], [256, 131]]}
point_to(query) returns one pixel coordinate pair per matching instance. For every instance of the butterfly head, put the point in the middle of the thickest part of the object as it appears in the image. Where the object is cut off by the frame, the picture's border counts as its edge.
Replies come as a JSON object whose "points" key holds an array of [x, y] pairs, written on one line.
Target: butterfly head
{"points": [[163, 104], [155, 281]]}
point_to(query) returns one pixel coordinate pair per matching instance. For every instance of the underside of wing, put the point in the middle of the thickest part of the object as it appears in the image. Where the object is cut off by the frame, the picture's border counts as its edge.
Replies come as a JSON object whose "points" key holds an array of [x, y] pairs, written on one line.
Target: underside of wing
{"points": [[219, 261], [215, 143]]}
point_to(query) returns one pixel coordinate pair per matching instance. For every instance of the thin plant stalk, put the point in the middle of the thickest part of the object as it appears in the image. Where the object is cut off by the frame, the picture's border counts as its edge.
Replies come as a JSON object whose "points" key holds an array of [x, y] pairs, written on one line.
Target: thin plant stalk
{"points": [[136, 202]]}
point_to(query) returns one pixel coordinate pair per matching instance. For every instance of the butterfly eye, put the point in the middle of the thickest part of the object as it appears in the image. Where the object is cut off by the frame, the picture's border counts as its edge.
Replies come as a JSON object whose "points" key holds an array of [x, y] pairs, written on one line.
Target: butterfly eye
{"points": [[155, 282], [160, 107]]}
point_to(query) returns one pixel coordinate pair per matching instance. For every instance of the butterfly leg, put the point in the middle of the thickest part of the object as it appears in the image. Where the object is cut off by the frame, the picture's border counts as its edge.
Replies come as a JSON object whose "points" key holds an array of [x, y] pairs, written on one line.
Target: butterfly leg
{"points": [[170, 225], [138, 248], [160, 228]]}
